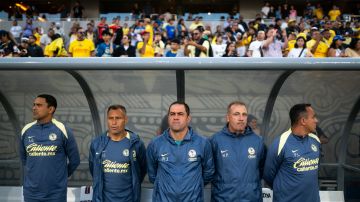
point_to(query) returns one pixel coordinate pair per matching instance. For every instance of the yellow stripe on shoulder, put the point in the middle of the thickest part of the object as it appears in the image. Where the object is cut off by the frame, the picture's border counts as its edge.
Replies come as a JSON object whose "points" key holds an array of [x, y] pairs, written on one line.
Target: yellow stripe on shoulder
{"points": [[27, 126], [61, 126], [283, 139], [314, 136]]}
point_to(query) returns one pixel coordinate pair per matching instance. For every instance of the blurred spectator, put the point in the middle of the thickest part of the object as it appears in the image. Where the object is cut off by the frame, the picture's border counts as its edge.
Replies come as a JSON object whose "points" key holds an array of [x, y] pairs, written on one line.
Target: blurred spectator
{"points": [[319, 12], [90, 33], [73, 32], [174, 49], [195, 24], [170, 30], [23, 47], [46, 38], [242, 25], [285, 11], [255, 48], [327, 37], [149, 29], [253, 124], [125, 49], [56, 26], [101, 27], [230, 50], [34, 50], [316, 45], [278, 13], [354, 49], [291, 28], [117, 31], [272, 46], [181, 28], [78, 10], [28, 28], [265, 9], [56, 48], [126, 29], [37, 33], [240, 44], [158, 45], [228, 22], [138, 29], [144, 48], [271, 13], [8, 46], [292, 13], [292, 41], [199, 46], [334, 13], [218, 47], [16, 31], [81, 47], [106, 48], [337, 49], [299, 50]]}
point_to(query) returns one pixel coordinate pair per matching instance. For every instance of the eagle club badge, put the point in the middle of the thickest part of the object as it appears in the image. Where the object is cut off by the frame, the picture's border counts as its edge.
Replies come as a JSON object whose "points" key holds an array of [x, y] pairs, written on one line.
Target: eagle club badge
{"points": [[192, 155], [251, 152], [314, 148], [52, 136], [126, 152]]}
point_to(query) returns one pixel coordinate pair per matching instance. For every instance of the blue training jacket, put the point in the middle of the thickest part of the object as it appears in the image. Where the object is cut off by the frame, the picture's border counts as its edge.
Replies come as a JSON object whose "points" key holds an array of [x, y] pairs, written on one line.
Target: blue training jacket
{"points": [[239, 162], [45, 150], [291, 168], [179, 172], [137, 160]]}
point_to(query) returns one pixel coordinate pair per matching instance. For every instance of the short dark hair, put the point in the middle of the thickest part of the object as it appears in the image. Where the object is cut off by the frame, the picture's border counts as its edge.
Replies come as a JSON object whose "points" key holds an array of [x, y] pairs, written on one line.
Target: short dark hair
{"points": [[115, 107], [50, 100], [237, 102], [106, 32], [298, 111], [175, 41], [187, 108]]}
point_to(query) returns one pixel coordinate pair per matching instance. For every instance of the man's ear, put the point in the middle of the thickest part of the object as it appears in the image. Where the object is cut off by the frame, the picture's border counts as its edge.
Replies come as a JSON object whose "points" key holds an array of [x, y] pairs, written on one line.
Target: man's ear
{"points": [[188, 119], [126, 119], [52, 109]]}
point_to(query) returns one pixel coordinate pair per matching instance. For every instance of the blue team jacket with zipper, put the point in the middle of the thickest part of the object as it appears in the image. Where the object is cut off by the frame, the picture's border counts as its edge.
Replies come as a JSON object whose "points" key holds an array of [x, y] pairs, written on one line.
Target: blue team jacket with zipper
{"points": [[49, 156], [179, 172], [137, 161], [239, 162], [291, 168]]}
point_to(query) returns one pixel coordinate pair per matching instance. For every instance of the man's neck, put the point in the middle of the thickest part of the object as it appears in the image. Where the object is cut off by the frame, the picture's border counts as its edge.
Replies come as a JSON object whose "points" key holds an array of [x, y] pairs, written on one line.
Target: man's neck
{"points": [[44, 120], [299, 131], [178, 136], [118, 136]]}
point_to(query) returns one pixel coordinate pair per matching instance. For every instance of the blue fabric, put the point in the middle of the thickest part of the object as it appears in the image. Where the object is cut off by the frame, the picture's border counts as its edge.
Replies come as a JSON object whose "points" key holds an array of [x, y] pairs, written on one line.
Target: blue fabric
{"points": [[179, 172], [170, 54], [137, 164], [45, 152], [239, 162], [293, 174], [116, 168], [171, 31], [103, 50]]}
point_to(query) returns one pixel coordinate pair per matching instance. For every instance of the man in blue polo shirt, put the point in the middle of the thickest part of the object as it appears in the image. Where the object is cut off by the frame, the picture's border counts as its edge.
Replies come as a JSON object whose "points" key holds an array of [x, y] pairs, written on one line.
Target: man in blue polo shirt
{"points": [[117, 161], [239, 156], [292, 163], [180, 161], [48, 152]]}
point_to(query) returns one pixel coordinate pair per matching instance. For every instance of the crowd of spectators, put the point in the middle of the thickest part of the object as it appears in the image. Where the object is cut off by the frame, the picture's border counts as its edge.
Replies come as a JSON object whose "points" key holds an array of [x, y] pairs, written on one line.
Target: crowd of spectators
{"points": [[277, 31]]}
